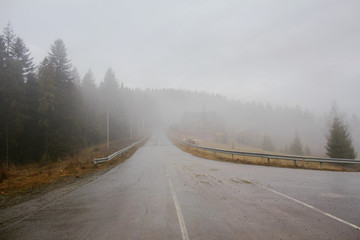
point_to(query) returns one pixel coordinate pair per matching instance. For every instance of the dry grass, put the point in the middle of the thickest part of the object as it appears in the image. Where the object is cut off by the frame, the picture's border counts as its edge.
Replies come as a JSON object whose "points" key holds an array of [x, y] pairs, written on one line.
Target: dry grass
{"points": [[263, 161], [32, 178]]}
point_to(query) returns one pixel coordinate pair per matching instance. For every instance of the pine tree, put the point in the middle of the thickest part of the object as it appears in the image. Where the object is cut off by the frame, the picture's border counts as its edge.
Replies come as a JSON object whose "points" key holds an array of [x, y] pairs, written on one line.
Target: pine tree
{"points": [[64, 130], [76, 77], [88, 86], [46, 106], [8, 92], [110, 98], [93, 131], [16, 67], [22, 70], [110, 89], [62, 65], [339, 142], [9, 37], [22, 58], [3, 120], [31, 140], [2, 53]]}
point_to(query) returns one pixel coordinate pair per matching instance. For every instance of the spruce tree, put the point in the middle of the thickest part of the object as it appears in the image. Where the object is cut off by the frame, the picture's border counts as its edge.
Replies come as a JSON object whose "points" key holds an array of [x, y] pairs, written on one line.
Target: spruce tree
{"points": [[62, 65], [64, 130], [76, 77], [31, 141], [22, 59], [2, 53], [88, 86], [92, 127], [110, 89], [22, 70], [339, 142], [9, 37], [16, 67], [3, 120], [8, 93], [110, 98], [46, 107]]}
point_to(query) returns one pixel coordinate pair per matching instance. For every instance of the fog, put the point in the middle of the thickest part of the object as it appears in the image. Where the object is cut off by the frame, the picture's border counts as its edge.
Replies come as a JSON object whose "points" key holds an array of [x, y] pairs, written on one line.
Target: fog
{"points": [[283, 52], [263, 69], [247, 124]]}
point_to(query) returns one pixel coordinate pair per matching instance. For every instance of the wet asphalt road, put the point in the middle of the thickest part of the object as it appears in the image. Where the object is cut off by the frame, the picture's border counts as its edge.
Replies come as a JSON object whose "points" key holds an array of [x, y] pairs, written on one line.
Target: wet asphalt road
{"points": [[164, 193]]}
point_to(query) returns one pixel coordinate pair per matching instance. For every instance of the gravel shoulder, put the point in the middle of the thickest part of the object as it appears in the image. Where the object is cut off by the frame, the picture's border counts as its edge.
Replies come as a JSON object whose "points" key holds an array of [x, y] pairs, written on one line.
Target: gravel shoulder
{"points": [[17, 207]]}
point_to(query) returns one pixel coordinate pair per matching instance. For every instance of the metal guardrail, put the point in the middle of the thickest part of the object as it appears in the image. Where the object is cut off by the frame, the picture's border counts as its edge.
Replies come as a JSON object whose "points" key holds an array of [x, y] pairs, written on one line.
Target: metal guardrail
{"points": [[108, 158], [274, 156]]}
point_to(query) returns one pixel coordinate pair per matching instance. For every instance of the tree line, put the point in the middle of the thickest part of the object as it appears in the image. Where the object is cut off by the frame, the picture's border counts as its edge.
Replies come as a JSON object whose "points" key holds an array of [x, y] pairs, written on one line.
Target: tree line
{"points": [[47, 112]]}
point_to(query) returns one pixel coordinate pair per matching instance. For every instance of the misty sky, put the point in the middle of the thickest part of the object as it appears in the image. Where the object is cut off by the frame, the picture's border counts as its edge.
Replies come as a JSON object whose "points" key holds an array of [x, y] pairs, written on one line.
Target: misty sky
{"points": [[281, 52]]}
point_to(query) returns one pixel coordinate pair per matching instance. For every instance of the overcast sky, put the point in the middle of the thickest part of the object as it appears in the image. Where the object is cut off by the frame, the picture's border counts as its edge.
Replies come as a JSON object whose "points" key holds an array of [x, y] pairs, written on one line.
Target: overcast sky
{"points": [[280, 52]]}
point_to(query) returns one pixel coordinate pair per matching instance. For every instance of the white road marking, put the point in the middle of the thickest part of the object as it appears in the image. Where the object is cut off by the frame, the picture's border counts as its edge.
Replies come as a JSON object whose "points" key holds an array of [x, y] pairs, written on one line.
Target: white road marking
{"points": [[307, 205], [184, 232]]}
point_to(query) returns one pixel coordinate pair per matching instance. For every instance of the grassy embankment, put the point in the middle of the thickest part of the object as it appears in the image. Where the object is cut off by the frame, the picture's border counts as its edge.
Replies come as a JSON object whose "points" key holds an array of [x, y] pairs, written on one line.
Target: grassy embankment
{"points": [[175, 138], [19, 183]]}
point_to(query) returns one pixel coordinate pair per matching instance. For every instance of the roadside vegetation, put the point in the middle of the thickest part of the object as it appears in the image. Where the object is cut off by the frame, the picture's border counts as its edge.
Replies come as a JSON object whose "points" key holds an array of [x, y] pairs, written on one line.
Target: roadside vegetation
{"points": [[26, 181], [209, 128], [178, 140], [339, 145]]}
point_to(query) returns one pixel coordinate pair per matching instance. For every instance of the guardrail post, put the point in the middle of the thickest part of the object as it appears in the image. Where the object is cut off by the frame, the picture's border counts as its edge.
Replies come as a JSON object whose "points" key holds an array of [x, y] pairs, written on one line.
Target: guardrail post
{"points": [[269, 161], [232, 156], [320, 165], [295, 163]]}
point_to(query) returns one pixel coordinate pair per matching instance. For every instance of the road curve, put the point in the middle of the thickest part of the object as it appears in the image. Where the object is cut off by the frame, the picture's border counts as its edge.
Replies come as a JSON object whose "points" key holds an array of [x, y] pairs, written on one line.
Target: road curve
{"points": [[164, 193]]}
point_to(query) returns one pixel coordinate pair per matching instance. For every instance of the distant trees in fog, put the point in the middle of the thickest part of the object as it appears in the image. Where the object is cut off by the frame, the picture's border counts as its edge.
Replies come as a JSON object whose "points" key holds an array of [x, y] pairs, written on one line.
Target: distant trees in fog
{"points": [[47, 113], [296, 146], [268, 144]]}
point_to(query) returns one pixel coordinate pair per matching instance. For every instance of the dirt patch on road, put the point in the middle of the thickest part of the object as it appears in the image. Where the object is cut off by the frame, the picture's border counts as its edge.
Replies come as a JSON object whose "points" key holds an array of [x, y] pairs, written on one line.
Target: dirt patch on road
{"points": [[234, 180]]}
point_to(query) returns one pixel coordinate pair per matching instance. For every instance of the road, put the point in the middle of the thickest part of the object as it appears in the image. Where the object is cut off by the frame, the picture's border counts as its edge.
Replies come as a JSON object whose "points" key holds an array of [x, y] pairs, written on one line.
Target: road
{"points": [[164, 193]]}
